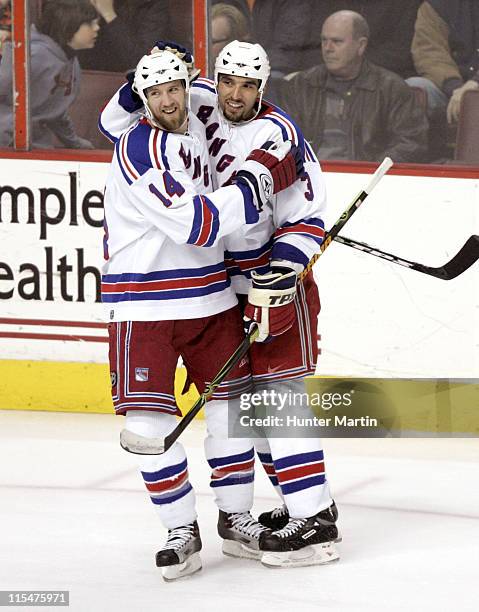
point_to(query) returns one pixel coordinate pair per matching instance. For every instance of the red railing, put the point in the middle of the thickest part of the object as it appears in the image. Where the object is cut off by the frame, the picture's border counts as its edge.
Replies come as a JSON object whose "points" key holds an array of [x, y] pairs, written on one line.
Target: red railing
{"points": [[21, 44]]}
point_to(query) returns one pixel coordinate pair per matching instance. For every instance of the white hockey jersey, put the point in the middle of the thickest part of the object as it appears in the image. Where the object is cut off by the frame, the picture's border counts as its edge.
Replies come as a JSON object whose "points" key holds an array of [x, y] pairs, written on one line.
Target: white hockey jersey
{"points": [[291, 227], [159, 213]]}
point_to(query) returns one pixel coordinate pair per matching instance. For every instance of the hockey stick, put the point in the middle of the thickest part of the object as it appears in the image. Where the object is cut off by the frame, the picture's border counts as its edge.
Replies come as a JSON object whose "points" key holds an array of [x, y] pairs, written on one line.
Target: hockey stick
{"points": [[461, 262], [348, 213], [140, 445]]}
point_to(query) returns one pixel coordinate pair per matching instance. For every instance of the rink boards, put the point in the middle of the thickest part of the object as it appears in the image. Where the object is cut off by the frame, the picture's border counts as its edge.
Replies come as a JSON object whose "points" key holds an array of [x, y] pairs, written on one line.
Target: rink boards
{"points": [[377, 319]]}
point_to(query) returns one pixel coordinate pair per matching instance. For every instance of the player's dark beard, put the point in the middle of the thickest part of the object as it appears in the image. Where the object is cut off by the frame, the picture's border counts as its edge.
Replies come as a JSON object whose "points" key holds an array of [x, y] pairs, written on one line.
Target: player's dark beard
{"points": [[236, 117]]}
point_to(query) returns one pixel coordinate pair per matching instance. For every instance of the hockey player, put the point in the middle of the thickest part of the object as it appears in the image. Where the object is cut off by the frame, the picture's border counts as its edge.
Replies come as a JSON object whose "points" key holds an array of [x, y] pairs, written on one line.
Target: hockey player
{"points": [[275, 249], [263, 261], [168, 296]]}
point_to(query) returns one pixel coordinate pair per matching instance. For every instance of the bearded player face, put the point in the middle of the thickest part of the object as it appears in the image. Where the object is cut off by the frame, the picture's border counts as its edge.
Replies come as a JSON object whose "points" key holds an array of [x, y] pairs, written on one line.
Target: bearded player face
{"points": [[237, 97], [167, 102]]}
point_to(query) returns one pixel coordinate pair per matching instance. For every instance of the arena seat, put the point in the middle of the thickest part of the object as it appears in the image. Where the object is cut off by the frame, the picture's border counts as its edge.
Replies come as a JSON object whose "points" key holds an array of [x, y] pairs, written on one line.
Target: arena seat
{"points": [[97, 87], [467, 139]]}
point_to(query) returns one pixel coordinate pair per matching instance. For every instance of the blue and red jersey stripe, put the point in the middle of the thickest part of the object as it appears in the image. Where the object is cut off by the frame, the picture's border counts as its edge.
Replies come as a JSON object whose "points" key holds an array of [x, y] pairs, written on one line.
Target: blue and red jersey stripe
{"points": [[311, 228], [205, 222], [164, 284]]}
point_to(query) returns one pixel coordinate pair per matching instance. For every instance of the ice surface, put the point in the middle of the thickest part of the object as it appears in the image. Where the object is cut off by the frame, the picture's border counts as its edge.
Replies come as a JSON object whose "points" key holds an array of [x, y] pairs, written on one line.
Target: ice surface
{"points": [[74, 516]]}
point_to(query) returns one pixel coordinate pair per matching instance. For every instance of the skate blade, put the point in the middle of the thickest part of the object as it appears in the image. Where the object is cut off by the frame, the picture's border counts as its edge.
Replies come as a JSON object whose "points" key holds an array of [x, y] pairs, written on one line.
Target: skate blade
{"points": [[181, 570], [232, 548], [318, 554]]}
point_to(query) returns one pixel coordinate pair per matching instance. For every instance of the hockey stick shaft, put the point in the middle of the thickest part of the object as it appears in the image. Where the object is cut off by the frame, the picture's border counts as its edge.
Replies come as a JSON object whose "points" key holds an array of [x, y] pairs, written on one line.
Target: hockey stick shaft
{"points": [[463, 259], [348, 213], [157, 446], [235, 358]]}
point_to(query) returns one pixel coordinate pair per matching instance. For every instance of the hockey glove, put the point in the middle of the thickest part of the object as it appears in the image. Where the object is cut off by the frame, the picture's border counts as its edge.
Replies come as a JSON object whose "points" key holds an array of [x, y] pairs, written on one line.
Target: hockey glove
{"points": [[271, 302], [181, 52], [265, 172]]}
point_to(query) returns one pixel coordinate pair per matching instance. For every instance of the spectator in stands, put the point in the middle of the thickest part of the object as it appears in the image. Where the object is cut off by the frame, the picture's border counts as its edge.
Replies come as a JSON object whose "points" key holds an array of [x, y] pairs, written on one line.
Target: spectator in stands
{"points": [[128, 30], [5, 23], [446, 53], [228, 23], [391, 26], [64, 27], [349, 108], [245, 6], [282, 27]]}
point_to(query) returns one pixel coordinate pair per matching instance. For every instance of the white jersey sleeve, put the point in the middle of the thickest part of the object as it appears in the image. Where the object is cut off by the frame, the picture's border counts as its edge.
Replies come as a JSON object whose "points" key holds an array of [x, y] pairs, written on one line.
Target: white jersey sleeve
{"points": [[297, 214], [203, 98], [121, 113], [200, 220], [167, 197], [297, 211]]}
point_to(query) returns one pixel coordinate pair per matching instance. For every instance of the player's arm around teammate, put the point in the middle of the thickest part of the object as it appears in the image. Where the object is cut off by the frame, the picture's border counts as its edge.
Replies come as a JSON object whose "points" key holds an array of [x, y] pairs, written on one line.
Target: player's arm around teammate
{"points": [[168, 297]]}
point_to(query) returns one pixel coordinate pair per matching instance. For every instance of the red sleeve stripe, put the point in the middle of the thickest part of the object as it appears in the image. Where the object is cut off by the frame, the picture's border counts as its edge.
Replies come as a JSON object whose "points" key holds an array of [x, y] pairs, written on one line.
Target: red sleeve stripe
{"points": [[207, 224], [249, 264], [124, 158], [300, 228], [287, 124], [154, 149], [205, 80]]}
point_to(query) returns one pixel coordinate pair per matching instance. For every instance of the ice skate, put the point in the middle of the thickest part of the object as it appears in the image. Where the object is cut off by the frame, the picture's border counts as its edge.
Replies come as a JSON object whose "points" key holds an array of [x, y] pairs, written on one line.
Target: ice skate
{"points": [[275, 519], [278, 518], [302, 542], [180, 555], [240, 533]]}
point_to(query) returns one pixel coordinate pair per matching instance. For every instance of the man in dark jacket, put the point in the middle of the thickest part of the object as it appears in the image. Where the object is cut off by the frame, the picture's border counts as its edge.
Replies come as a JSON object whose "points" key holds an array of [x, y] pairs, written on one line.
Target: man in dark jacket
{"points": [[391, 24], [349, 108]]}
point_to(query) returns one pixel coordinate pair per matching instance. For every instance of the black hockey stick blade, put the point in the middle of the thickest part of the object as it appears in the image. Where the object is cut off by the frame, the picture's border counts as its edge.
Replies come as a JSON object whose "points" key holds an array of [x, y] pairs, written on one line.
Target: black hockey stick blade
{"points": [[462, 261]]}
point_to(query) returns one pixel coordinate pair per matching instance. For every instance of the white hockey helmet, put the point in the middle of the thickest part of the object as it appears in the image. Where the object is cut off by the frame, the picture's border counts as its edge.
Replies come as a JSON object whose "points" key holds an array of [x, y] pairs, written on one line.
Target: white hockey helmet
{"points": [[156, 69], [243, 59]]}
